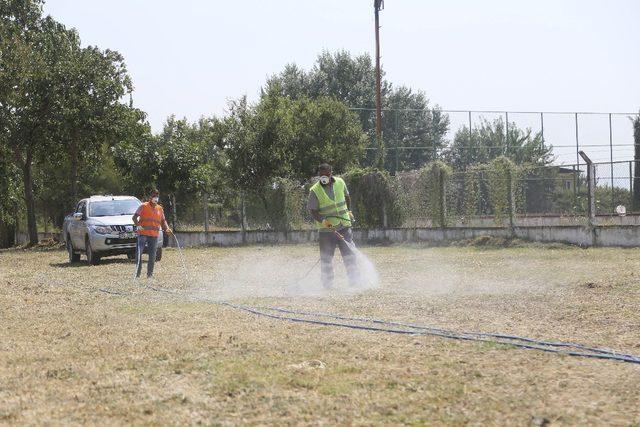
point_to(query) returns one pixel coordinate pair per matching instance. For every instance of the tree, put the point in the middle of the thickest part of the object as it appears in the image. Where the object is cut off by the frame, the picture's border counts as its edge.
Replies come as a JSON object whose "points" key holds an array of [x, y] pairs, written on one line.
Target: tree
{"points": [[412, 124], [282, 137], [31, 48], [91, 115], [351, 80], [338, 75], [488, 142], [323, 130], [179, 160], [56, 99], [251, 143], [9, 198]]}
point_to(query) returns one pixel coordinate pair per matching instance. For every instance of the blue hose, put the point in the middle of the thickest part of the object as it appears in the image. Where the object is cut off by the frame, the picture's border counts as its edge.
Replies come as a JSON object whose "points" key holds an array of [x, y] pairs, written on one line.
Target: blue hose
{"points": [[556, 347], [416, 330], [492, 338], [444, 331]]}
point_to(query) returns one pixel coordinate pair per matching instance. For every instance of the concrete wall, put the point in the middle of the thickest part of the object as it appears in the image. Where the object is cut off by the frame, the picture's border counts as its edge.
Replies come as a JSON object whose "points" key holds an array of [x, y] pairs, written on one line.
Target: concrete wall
{"points": [[22, 237], [625, 236], [609, 235], [549, 220]]}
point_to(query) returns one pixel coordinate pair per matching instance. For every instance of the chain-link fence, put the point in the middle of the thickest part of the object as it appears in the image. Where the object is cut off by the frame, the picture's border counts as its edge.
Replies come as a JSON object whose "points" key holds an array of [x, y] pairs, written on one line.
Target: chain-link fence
{"points": [[482, 195], [412, 137]]}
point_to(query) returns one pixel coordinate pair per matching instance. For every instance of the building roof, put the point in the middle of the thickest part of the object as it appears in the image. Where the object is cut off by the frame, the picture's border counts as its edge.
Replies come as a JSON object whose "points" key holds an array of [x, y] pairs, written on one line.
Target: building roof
{"points": [[567, 170]]}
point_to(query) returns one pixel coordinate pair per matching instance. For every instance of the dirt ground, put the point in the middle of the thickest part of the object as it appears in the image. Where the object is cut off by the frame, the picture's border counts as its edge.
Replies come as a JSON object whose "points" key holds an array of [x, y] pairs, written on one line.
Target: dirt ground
{"points": [[72, 354]]}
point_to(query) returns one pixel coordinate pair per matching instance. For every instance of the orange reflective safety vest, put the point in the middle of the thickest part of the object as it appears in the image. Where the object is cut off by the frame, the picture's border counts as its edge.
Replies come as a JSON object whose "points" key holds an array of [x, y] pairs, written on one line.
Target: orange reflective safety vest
{"points": [[150, 219]]}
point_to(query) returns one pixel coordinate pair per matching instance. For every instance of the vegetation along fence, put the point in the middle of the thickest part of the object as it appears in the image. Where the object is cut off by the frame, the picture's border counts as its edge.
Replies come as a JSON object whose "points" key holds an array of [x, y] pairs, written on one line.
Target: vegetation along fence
{"points": [[498, 193]]}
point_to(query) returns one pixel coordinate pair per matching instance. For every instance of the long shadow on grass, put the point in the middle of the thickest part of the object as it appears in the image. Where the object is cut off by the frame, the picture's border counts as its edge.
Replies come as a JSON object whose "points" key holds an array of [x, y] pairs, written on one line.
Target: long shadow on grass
{"points": [[86, 264]]}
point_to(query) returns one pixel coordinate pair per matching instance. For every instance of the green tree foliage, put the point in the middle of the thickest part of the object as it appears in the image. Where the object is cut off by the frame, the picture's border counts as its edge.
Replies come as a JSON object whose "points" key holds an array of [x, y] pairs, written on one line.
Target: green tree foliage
{"points": [[10, 198], [487, 142], [432, 185], [91, 86], [340, 75], [59, 103], [31, 51], [255, 142], [608, 198], [351, 80], [372, 198], [286, 209], [182, 161], [282, 137], [413, 126], [502, 175], [324, 130], [493, 188]]}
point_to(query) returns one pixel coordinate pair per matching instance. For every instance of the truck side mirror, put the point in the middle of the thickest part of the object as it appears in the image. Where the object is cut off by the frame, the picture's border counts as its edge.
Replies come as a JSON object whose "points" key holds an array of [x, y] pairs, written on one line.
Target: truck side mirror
{"points": [[78, 216]]}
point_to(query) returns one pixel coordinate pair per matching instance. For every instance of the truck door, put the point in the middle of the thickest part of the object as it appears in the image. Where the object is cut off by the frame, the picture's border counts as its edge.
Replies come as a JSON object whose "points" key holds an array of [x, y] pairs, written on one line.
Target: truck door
{"points": [[79, 226]]}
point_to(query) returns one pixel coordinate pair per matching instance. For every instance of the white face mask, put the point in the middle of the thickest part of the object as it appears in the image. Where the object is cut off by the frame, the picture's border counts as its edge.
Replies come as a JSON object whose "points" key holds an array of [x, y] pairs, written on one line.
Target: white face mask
{"points": [[154, 199], [324, 179]]}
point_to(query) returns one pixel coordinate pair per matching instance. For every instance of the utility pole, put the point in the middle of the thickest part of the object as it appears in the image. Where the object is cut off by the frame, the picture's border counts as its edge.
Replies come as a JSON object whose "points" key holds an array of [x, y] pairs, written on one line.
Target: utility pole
{"points": [[378, 5]]}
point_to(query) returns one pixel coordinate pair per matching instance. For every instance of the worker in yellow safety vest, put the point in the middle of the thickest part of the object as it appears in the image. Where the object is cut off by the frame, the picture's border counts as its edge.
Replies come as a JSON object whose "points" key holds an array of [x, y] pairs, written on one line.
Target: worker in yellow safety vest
{"points": [[329, 203], [148, 220]]}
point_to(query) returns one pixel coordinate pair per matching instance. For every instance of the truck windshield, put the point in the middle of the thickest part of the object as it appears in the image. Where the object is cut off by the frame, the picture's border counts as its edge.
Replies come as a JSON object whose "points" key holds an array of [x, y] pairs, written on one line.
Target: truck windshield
{"points": [[113, 207]]}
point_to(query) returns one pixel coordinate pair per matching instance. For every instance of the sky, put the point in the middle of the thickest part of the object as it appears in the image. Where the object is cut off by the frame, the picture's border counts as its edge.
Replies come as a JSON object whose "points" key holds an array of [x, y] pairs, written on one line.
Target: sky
{"points": [[190, 57]]}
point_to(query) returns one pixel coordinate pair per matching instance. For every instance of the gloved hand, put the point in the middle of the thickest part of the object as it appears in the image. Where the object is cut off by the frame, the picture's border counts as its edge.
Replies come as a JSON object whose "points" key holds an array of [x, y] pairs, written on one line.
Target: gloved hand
{"points": [[351, 217], [326, 223]]}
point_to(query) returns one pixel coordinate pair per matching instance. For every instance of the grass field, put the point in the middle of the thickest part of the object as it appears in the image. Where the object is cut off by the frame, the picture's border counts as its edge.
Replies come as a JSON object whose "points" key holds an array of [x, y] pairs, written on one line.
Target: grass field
{"points": [[70, 353]]}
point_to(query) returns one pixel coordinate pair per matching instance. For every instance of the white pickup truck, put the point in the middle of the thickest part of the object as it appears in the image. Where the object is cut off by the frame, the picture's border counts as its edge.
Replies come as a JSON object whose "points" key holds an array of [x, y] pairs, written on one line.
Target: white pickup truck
{"points": [[103, 226]]}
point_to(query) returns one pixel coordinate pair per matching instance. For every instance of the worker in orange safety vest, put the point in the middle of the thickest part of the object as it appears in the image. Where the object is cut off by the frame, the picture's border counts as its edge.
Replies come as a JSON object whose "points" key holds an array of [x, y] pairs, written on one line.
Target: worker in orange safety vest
{"points": [[148, 220]]}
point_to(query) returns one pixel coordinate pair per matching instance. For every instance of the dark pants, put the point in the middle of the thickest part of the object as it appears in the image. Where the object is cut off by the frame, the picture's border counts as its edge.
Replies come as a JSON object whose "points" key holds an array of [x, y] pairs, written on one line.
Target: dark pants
{"points": [[328, 242], [150, 243]]}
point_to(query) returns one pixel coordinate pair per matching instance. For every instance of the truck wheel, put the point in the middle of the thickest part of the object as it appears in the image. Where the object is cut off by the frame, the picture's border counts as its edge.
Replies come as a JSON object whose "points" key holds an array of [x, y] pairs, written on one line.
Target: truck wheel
{"points": [[92, 257], [158, 254], [73, 256]]}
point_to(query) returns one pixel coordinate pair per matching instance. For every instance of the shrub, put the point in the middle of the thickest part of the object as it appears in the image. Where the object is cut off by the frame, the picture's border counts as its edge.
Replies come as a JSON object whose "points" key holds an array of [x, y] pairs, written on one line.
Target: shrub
{"points": [[372, 198]]}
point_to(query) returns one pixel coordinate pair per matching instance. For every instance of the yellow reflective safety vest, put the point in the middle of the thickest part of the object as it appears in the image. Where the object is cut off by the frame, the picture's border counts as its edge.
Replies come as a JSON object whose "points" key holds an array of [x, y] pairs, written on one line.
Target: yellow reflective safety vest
{"points": [[334, 210]]}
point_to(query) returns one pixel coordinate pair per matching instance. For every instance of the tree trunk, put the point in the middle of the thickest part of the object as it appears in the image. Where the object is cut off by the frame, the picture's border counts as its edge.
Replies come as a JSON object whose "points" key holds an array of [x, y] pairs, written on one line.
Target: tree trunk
{"points": [[27, 179], [243, 216], [174, 211], [74, 170], [205, 202], [7, 234]]}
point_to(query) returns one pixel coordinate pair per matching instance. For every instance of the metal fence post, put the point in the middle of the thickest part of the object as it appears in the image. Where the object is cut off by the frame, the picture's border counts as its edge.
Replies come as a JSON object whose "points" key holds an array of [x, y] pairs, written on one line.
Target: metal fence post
{"points": [[577, 143], [243, 217], [613, 197], [576, 179], [631, 186], [443, 199], [591, 187], [205, 202], [397, 143], [512, 201], [174, 211]]}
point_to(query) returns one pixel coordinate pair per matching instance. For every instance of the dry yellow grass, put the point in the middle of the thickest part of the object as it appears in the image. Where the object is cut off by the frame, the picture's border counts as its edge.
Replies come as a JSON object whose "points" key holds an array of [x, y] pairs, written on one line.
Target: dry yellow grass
{"points": [[70, 354]]}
